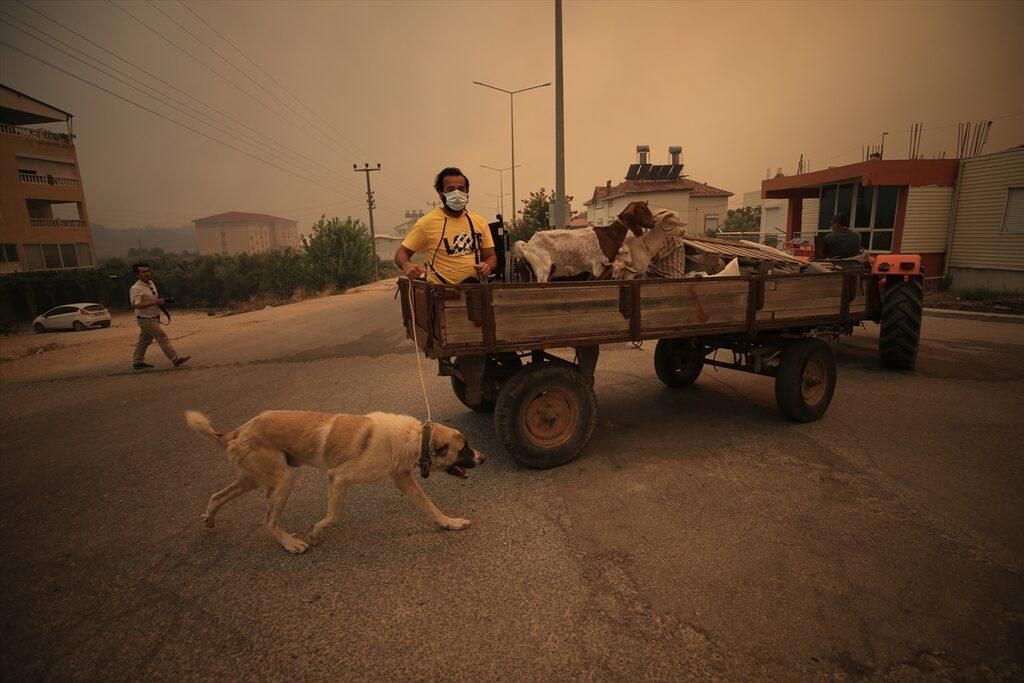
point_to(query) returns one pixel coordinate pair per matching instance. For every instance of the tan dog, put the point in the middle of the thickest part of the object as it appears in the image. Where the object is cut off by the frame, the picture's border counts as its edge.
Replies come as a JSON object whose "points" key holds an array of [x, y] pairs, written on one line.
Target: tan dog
{"points": [[351, 449]]}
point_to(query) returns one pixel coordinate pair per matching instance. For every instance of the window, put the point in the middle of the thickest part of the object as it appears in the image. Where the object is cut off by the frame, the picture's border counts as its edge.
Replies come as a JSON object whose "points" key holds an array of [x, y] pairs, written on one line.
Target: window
{"points": [[84, 254], [68, 255], [61, 310], [33, 256], [1013, 214], [871, 211], [51, 256], [8, 253], [711, 223]]}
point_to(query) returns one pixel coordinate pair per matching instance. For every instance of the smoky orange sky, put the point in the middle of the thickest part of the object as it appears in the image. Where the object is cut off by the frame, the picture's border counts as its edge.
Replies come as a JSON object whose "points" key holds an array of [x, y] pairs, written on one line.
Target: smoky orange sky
{"points": [[742, 87]]}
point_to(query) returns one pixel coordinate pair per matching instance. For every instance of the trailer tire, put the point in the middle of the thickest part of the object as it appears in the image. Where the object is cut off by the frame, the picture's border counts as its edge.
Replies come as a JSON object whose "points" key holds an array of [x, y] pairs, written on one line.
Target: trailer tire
{"points": [[497, 365], [676, 364], [900, 333], [545, 415], [805, 380]]}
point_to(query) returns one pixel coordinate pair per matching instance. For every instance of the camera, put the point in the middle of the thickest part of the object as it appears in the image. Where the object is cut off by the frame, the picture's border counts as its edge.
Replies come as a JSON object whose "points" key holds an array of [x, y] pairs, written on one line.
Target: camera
{"points": [[168, 300]]}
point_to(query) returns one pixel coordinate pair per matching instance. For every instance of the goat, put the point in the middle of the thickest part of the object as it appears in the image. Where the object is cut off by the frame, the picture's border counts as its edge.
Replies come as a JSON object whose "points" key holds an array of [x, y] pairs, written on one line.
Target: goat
{"points": [[636, 253], [566, 253]]}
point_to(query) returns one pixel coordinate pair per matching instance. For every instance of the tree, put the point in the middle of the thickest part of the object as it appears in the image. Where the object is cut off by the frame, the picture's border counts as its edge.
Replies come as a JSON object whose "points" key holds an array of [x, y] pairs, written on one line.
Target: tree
{"points": [[744, 219], [534, 214], [338, 253]]}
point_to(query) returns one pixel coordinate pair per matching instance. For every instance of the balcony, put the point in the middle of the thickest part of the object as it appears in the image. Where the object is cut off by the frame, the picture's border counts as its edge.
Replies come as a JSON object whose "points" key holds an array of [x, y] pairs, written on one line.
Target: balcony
{"points": [[37, 179], [38, 134], [57, 223]]}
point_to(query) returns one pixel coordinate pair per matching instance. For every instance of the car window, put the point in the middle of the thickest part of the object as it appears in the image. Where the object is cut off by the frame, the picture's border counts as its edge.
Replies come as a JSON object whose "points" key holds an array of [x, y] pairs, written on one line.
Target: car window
{"points": [[61, 310], [94, 307]]}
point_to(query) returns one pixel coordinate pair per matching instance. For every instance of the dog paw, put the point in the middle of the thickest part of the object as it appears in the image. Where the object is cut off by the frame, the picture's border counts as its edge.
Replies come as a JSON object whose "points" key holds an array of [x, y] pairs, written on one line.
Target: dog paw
{"points": [[295, 545], [207, 520], [454, 523]]}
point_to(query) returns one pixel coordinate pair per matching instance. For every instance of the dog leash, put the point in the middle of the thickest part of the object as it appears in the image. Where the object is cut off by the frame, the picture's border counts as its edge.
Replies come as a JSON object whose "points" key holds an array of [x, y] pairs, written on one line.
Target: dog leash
{"points": [[424, 460]]}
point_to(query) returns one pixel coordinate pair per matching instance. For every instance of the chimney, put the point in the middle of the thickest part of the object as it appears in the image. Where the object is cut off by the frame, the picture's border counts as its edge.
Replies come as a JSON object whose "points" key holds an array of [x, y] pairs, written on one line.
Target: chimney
{"points": [[675, 155], [642, 154], [608, 186]]}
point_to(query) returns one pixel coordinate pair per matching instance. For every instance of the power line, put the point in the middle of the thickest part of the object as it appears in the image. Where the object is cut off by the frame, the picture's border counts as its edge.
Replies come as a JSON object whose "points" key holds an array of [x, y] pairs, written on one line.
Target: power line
{"points": [[352, 144], [166, 118], [211, 69], [231, 64], [213, 124], [262, 136]]}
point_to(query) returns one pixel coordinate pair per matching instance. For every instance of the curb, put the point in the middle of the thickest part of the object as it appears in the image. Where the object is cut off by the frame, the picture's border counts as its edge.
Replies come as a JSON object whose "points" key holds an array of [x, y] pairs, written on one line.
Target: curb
{"points": [[974, 315], [379, 285]]}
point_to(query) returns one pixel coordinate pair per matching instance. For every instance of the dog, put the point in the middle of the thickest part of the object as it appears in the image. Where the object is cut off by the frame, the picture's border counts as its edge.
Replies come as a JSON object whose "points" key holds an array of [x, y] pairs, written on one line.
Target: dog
{"points": [[351, 449]]}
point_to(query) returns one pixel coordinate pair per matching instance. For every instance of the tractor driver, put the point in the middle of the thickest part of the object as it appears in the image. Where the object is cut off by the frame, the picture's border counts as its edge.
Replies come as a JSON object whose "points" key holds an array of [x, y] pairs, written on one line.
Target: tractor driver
{"points": [[457, 244]]}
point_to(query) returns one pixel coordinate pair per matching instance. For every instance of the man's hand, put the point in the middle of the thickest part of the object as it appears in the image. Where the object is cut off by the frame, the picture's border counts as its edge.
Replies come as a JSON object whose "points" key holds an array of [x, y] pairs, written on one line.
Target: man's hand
{"points": [[413, 270], [483, 269]]}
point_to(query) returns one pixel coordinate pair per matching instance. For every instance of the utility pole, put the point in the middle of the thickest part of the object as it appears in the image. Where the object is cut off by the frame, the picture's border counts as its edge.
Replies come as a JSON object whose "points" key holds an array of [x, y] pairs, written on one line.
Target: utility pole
{"points": [[369, 205], [560, 217]]}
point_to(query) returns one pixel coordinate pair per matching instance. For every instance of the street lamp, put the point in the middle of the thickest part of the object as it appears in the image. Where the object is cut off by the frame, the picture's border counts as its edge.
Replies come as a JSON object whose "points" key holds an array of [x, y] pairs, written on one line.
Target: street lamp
{"points": [[501, 184], [512, 118]]}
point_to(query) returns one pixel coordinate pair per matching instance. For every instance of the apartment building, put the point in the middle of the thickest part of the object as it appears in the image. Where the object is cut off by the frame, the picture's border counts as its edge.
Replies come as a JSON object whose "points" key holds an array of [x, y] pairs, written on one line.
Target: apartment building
{"points": [[237, 232], [44, 224]]}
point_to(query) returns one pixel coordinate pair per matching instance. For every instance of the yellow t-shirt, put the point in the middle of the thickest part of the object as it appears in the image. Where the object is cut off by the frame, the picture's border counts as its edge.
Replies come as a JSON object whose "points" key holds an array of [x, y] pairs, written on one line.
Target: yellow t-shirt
{"points": [[448, 244]]}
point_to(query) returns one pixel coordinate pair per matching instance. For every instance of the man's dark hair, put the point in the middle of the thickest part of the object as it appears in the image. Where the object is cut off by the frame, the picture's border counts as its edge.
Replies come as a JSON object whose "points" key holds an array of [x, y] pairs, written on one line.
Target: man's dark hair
{"points": [[841, 220], [445, 172], [140, 264]]}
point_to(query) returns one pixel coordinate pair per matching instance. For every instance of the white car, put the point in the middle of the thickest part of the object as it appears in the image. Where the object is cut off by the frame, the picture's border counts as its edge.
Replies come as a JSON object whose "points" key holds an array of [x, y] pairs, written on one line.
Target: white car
{"points": [[72, 317]]}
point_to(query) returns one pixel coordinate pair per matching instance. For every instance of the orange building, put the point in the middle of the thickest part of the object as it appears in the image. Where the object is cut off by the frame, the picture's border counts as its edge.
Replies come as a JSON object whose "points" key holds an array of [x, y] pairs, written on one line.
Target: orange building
{"points": [[44, 224]]}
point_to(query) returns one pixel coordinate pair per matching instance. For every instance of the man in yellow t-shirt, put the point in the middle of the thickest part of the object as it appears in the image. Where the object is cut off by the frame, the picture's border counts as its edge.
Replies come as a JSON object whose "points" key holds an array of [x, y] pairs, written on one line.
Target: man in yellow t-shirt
{"points": [[457, 244]]}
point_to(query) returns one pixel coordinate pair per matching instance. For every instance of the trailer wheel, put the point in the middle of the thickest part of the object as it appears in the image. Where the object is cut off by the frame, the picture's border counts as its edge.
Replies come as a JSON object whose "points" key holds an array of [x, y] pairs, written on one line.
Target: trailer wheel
{"points": [[498, 366], [901, 324], [806, 380], [676, 364], [545, 415]]}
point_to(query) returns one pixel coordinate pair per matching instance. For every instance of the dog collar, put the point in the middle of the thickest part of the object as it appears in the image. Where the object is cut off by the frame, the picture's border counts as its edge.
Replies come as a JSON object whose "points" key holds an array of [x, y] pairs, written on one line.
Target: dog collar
{"points": [[424, 461]]}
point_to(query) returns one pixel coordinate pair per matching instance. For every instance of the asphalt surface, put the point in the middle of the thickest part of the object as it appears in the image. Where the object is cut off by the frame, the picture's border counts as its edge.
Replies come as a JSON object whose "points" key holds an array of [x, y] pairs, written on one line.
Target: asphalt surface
{"points": [[699, 535]]}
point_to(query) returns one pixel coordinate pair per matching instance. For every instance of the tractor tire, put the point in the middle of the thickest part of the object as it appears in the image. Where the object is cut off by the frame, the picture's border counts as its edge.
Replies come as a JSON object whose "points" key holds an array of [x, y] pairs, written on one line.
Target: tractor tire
{"points": [[676, 364], [805, 380], [545, 415], [495, 364], [900, 333]]}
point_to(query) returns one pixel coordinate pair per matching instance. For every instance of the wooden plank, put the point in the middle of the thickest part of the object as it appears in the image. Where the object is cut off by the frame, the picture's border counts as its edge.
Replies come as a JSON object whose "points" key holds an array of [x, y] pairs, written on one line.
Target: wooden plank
{"points": [[704, 300], [476, 337], [670, 317], [519, 297], [561, 307], [544, 326], [800, 304], [703, 287]]}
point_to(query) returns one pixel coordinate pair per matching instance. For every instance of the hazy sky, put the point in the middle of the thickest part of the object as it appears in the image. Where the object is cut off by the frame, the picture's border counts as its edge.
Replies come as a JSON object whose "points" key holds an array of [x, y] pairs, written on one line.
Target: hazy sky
{"points": [[740, 86]]}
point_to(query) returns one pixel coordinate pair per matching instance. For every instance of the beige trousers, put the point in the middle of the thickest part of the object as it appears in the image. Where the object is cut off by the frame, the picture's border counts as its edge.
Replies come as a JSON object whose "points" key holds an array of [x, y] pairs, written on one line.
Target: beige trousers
{"points": [[150, 329]]}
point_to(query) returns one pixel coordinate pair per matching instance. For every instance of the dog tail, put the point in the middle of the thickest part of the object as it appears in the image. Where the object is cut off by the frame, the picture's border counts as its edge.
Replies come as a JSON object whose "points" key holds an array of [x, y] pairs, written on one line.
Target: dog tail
{"points": [[200, 424]]}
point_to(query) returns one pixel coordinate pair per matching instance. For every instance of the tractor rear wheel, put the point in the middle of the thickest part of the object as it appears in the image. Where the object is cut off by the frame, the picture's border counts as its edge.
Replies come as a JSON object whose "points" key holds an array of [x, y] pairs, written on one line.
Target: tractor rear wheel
{"points": [[900, 333]]}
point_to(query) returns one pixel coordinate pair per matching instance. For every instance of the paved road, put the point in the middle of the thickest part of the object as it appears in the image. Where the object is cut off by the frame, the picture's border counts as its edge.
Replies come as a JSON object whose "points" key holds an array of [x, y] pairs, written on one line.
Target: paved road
{"points": [[699, 534]]}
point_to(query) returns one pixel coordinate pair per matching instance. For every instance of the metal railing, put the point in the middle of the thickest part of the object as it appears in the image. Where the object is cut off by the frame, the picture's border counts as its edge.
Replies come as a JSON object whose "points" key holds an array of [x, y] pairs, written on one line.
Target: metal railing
{"points": [[63, 139], [58, 223], [38, 179]]}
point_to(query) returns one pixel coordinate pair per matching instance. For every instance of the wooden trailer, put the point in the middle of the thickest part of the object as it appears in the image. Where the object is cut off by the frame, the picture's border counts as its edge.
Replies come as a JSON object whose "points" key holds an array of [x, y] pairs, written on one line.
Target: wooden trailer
{"points": [[493, 339]]}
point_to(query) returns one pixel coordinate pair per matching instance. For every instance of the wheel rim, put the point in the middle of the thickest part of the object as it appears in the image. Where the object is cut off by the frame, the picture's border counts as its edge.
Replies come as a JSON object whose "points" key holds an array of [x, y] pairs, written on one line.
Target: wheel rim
{"points": [[814, 381], [551, 418]]}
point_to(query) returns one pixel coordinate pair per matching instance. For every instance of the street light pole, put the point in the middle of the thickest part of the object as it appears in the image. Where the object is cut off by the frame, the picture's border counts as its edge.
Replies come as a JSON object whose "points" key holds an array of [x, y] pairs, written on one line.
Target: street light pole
{"points": [[512, 113], [560, 217], [501, 183]]}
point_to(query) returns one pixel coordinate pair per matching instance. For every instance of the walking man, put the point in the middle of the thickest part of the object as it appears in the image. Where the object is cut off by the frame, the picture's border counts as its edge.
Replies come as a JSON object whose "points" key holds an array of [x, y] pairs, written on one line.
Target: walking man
{"points": [[146, 303]]}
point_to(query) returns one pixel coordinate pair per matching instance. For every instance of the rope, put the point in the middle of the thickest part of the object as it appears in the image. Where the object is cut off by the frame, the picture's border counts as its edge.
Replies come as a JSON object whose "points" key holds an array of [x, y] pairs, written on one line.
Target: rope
{"points": [[416, 350]]}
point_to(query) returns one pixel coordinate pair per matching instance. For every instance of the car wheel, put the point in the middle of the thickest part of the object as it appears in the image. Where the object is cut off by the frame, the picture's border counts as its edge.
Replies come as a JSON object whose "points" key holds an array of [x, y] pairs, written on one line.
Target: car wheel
{"points": [[78, 325], [38, 327]]}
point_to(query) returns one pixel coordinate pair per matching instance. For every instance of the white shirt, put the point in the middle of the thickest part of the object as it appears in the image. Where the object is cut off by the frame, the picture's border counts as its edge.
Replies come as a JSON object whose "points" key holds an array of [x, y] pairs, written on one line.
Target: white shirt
{"points": [[139, 291]]}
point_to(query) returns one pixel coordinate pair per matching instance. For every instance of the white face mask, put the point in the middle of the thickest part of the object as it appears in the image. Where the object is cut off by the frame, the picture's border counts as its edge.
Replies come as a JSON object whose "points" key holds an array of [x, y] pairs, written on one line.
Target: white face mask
{"points": [[456, 200]]}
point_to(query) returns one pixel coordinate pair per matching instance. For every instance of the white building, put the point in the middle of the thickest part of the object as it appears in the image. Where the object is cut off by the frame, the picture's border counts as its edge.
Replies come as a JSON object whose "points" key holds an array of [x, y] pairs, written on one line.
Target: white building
{"points": [[237, 232]]}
